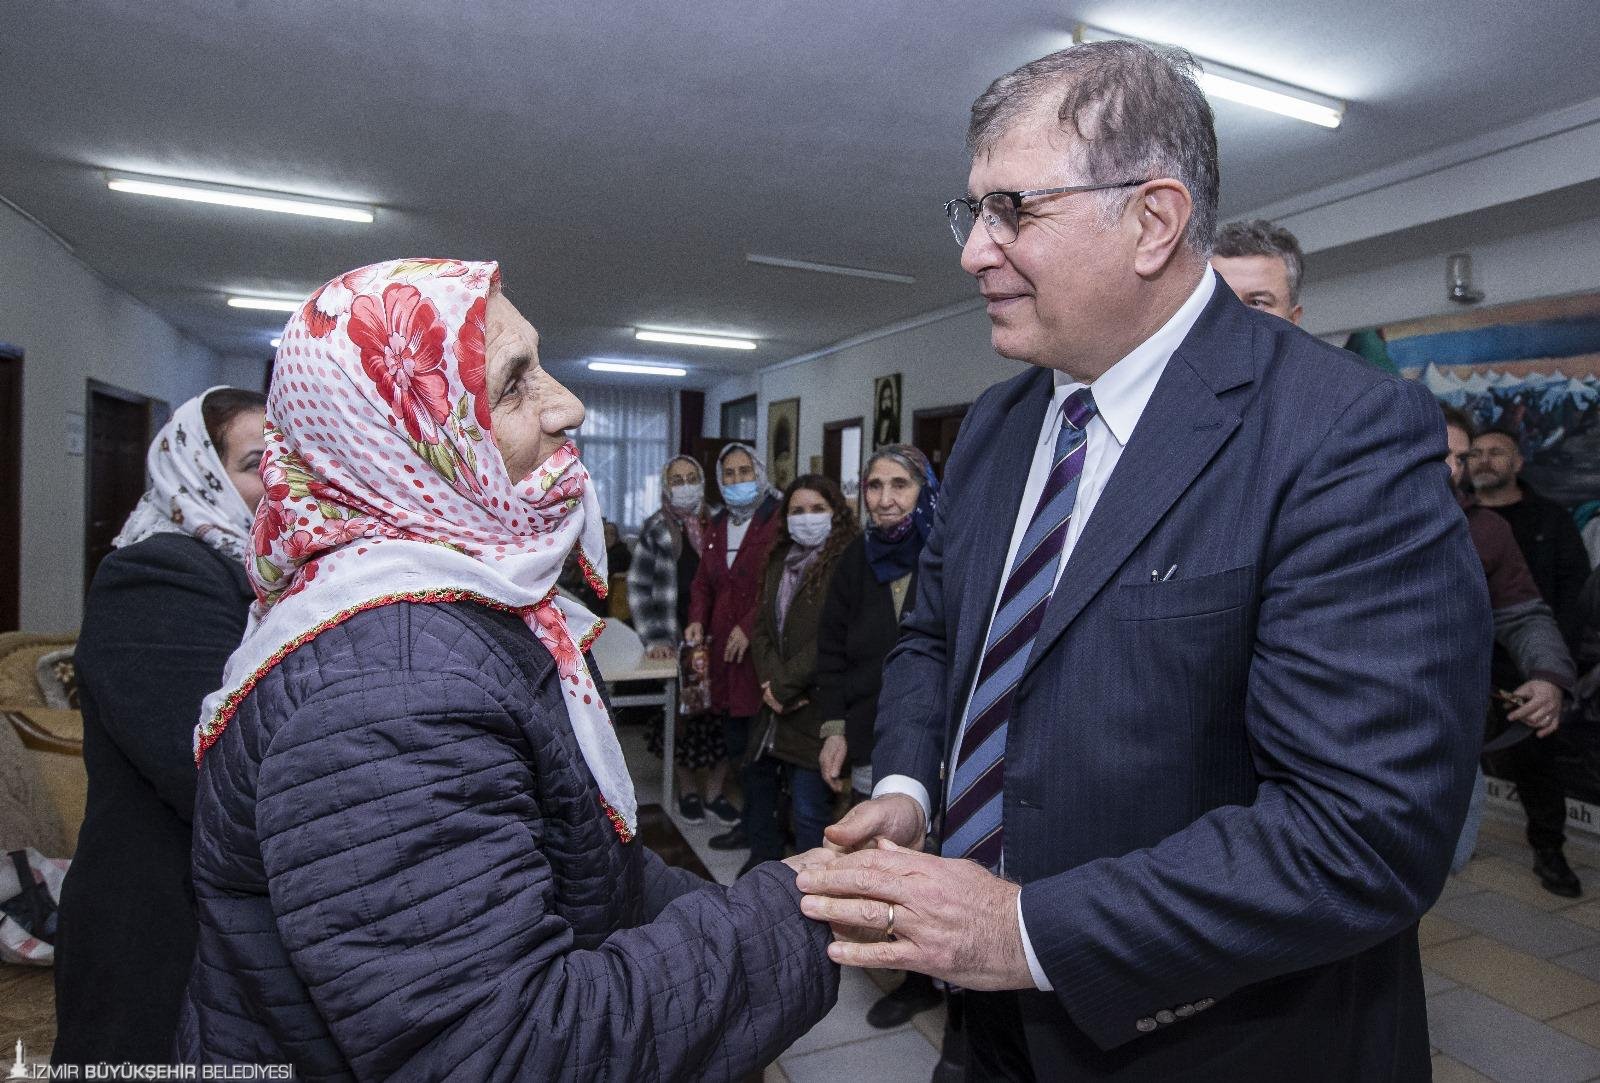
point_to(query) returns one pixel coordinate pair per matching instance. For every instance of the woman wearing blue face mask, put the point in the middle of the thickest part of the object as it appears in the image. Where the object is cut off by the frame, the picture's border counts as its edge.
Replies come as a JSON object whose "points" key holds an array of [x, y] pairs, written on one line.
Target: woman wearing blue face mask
{"points": [[818, 526], [724, 595]]}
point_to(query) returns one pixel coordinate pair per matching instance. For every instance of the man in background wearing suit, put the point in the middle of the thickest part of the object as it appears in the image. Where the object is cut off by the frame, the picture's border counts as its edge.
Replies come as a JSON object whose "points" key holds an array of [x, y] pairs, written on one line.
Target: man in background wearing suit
{"points": [[1195, 673]]}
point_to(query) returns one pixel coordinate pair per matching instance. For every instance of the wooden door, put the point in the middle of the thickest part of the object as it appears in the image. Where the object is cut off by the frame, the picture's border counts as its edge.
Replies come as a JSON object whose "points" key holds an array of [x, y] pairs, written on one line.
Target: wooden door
{"points": [[10, 488], [117, 426], [934, 433]]}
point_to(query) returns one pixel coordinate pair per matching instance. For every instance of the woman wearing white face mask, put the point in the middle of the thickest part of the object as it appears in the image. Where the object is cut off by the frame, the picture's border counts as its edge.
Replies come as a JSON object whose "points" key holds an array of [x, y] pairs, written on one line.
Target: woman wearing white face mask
{"points": [[658, 593], [818, 526]]}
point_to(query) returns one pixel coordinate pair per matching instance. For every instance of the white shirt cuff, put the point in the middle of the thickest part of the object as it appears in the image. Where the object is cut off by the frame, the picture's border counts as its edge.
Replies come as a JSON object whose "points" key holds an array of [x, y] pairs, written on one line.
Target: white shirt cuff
{"points": [[911, 788], [1040, 980]]}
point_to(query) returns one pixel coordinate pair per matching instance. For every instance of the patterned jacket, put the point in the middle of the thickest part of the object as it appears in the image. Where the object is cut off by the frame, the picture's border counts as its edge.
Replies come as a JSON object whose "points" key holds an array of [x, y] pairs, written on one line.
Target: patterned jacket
{"points": [[653, 583]]}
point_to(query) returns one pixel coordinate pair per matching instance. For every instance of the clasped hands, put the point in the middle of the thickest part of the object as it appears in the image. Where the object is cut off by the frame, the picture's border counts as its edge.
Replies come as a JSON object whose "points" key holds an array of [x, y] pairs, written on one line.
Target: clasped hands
{"points": [[892, 906]]}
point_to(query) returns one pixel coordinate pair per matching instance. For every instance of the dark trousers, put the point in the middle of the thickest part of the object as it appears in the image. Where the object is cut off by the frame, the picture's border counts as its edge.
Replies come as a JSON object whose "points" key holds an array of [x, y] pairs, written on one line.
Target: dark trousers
{"points": [[810, 802], [1531, 764], [996, 1046]]}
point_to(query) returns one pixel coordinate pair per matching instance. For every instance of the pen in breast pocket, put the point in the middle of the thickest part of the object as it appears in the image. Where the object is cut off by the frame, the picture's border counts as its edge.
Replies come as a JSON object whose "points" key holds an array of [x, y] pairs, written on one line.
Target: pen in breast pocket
{"points": [[1157, 577]]}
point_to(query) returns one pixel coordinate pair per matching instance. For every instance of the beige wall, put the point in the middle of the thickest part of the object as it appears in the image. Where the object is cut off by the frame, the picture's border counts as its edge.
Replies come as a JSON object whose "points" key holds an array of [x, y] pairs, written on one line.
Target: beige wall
{"points": [[73, 326]]}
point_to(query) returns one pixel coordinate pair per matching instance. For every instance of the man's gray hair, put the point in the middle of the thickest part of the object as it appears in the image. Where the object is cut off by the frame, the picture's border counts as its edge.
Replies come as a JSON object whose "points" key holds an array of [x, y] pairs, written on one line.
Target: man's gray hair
{"points": [[1136, 111], [1259, 237]]}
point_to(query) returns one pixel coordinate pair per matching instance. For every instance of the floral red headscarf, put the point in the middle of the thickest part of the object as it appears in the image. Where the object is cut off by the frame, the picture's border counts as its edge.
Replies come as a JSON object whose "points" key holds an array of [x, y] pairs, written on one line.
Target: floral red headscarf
{"points": [[383, 485]]}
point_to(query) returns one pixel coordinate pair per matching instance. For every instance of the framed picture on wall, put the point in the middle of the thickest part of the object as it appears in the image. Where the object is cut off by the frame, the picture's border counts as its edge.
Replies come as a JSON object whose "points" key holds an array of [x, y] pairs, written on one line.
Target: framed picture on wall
{"points": [[885, 411], [783, 441], [739, 419]]}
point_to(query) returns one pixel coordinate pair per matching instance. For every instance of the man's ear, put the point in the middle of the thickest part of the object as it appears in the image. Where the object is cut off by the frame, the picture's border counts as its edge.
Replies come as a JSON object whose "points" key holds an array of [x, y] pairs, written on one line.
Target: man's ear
{"points": [[1161, 209]]}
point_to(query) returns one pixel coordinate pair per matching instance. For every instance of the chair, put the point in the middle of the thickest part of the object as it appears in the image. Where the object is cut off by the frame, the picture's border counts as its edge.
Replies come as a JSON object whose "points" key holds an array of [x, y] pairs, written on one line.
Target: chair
{"points": [[43, 785]]}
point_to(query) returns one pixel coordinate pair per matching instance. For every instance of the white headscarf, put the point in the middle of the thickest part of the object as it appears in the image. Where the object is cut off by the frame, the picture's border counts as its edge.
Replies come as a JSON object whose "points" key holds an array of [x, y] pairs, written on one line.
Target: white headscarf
{"points": [[189, 492], [383, 486]]}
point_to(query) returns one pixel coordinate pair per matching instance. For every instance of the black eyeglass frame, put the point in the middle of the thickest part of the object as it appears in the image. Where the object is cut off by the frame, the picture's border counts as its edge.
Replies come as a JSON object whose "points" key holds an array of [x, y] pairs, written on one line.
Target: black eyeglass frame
{"points": [[975, 206]]}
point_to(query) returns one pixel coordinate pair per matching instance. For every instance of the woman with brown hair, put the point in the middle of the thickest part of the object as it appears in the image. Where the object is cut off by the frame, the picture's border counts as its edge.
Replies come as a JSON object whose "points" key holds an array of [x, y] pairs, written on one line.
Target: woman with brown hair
{"points": [[818, 526]]}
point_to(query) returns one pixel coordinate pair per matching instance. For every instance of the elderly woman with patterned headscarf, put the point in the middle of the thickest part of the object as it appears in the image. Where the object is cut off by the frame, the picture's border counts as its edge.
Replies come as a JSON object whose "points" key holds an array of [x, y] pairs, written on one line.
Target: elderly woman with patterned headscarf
{"points": [[166, 608], [873, 583], [416, 847]]}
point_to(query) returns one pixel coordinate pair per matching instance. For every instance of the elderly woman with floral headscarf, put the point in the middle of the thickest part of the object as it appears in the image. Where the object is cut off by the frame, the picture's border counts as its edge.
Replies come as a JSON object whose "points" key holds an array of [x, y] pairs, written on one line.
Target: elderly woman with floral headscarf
{"points": [[415, 837], [658, 594], [165, 610]]}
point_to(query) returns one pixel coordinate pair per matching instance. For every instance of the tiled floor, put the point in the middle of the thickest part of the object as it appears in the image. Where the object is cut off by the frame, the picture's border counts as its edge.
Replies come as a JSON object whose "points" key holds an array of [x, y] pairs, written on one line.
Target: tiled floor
{"points": [[1512, 975]]}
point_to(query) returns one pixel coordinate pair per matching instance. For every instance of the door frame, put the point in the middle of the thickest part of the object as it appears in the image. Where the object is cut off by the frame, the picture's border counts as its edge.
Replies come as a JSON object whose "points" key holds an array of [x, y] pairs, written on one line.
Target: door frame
{"points": [[93, 387], [11, 515]]}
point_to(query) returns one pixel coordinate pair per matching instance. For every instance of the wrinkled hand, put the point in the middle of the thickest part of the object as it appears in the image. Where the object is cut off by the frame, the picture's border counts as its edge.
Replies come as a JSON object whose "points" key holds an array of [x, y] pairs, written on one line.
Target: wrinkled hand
{"points": [[660, 653], [693, 634], [894, 816], [737, 644], [1542, 711], [811, 859], [953, 919], [830, 761]]}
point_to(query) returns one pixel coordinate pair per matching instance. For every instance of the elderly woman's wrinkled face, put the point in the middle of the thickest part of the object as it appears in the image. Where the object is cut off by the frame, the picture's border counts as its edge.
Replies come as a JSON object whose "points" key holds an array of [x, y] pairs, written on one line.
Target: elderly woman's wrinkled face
{"points": [[891, 492], [243, 441], [737, 466], [530, 412]]}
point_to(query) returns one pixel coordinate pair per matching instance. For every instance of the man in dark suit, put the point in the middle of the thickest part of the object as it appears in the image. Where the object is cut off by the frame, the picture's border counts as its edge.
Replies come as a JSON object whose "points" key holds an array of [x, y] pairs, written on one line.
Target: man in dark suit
{"points": [[1193, 684]]}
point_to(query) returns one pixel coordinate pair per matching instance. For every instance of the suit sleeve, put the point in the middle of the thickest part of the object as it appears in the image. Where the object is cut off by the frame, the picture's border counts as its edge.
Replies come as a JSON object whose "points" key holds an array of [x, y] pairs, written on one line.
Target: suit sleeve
{"points": [[405, 862], [1363, 706], [158, 629]]}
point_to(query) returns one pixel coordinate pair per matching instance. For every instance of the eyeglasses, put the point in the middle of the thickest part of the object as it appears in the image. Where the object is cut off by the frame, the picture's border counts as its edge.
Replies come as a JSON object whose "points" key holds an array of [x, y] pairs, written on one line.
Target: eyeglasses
{"points": [[998, 210]]}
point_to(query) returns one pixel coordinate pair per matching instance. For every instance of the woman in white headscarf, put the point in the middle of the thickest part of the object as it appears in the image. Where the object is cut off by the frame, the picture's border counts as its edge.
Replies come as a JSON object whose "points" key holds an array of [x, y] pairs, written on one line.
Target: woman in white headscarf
{"points": [[416, 848], [165, 610], [726, 594], [658, 595]]}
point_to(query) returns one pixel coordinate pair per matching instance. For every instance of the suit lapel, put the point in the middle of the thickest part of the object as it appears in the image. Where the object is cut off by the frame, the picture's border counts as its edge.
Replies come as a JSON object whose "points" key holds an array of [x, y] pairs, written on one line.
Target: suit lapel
{"points": [[1182, 428], [994, 514]]}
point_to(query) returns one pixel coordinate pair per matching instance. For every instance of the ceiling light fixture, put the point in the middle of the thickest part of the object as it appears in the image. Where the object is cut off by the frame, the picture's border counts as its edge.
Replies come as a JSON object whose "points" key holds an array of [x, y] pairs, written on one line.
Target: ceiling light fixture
{"points": [[248, 198], [265, 304], [1247, 88], [687, 338], [828, 268], [636, 369]]}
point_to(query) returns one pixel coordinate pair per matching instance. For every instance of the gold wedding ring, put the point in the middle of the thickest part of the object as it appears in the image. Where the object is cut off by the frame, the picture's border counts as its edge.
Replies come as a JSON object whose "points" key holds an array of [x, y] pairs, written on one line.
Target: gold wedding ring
{"points": [[888, 930]]}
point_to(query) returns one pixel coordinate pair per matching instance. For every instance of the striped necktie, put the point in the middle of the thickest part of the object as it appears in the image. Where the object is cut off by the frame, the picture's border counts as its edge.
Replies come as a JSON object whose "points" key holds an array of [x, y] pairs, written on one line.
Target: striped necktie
{"points": [[972, 822]]}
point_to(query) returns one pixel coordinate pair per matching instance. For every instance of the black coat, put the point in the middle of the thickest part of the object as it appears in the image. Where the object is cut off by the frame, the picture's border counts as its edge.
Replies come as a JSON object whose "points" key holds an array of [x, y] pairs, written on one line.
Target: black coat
{"points": [[858, 629], [160, 621], [1550, 541]]}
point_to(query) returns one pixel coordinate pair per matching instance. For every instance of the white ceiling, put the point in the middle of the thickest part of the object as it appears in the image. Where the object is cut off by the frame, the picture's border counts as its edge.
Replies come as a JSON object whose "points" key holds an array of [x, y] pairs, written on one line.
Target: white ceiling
{"points": [[621, 160]]}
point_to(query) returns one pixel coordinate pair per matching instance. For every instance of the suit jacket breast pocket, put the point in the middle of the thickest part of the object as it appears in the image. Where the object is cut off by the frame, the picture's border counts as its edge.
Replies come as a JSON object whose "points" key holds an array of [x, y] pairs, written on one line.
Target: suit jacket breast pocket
{"points": [[1217, 592]]}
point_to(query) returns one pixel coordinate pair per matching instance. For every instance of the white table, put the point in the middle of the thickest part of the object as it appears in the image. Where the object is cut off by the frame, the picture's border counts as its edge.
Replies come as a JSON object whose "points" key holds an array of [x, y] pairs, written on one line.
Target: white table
{"points": [[664, 670]]}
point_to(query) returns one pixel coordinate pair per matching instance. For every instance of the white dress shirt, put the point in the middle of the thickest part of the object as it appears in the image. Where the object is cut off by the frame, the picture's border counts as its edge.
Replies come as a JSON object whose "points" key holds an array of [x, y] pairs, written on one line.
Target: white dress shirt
{"points": [[1120, 395]]}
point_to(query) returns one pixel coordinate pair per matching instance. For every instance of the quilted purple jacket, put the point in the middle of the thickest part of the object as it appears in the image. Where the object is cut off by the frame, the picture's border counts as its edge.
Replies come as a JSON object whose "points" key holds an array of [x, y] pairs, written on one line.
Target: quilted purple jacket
{"points": [[403, 869]]}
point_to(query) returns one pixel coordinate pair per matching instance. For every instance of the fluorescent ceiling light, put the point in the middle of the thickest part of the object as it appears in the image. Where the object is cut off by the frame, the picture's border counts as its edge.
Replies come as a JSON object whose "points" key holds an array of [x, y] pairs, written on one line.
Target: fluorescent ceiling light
{"points": [[265, 304], [687, 339], [1248, 88], [276, 343], [641, 370], [828, 268], [250, 199]]}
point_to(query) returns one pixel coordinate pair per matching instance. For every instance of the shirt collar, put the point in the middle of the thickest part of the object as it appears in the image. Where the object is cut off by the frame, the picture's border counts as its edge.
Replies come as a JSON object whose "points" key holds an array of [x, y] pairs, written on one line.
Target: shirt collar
{"points": [[1121, 392]]}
